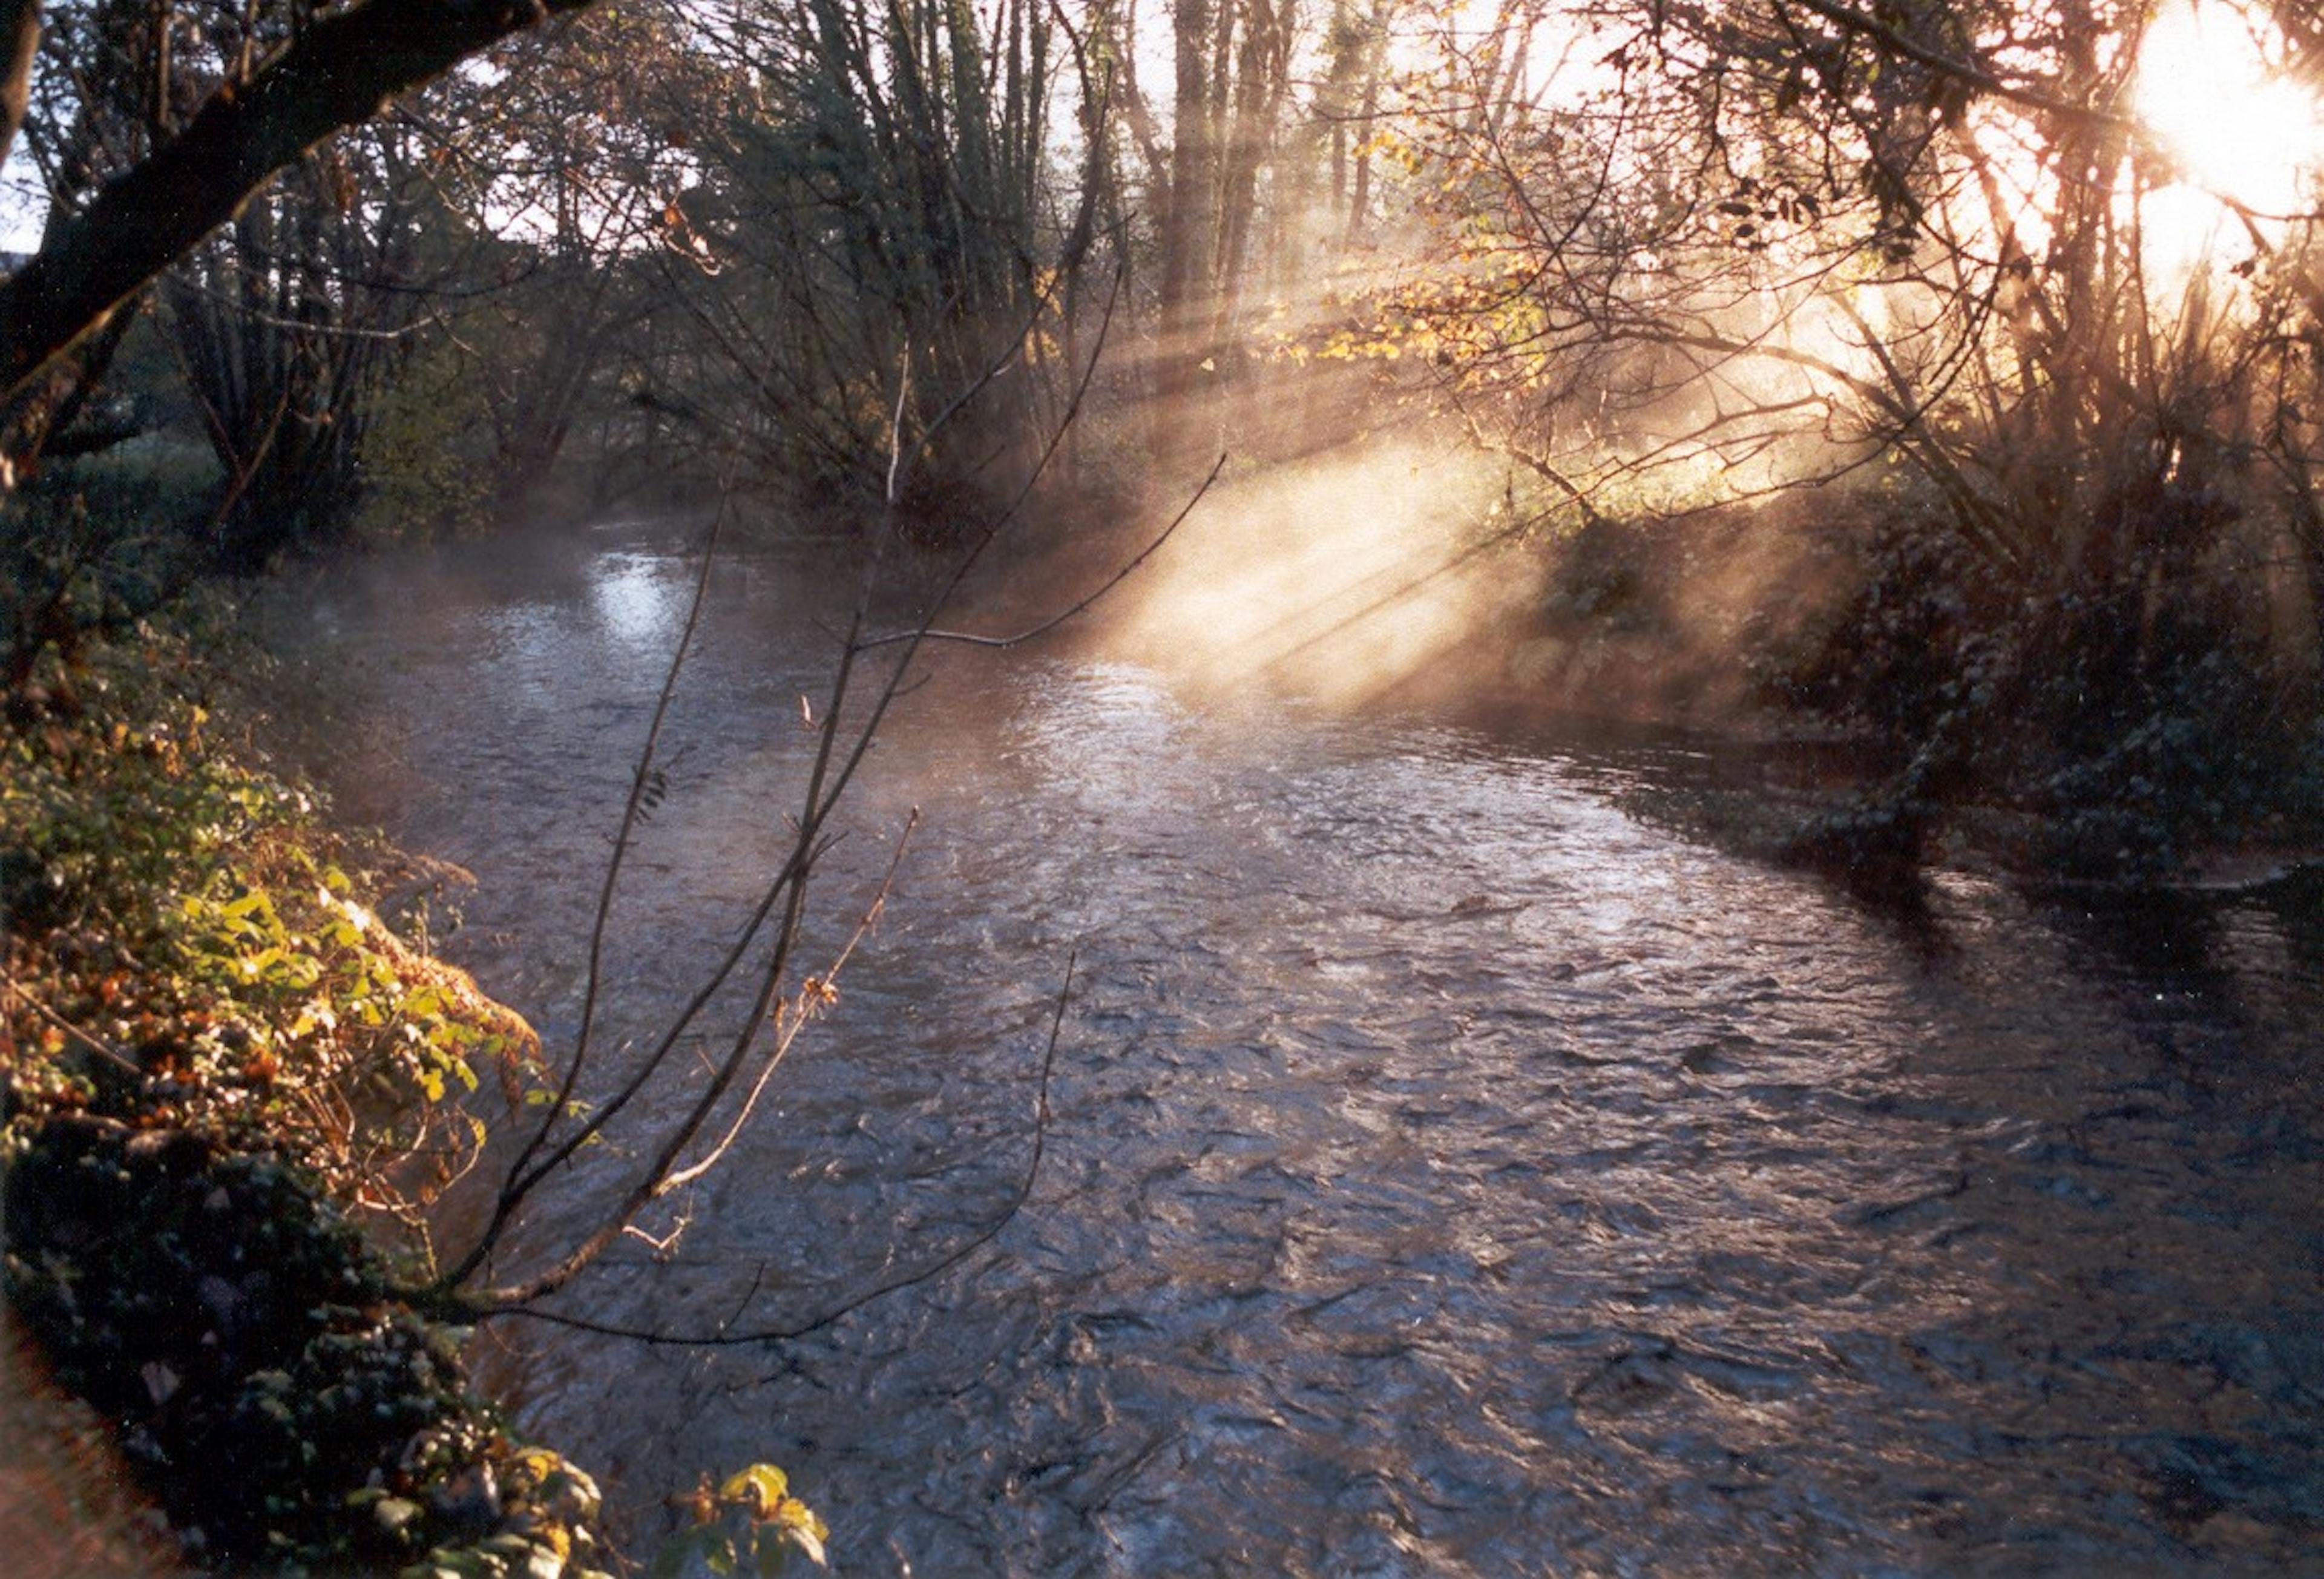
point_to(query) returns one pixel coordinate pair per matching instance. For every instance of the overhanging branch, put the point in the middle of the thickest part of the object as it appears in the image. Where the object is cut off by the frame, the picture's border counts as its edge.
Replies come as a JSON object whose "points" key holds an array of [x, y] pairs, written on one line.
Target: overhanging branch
{"points": [[340, 72]]}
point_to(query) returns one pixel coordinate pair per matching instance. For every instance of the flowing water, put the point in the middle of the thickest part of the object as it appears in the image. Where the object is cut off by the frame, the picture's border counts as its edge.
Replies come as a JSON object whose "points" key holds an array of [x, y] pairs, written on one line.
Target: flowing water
{"points": [[1461, 1160]]}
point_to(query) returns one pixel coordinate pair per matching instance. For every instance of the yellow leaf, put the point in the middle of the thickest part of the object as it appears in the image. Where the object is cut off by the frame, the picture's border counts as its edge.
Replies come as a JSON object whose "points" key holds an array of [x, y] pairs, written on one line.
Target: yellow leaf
{"points": [[762, 1487], [798, 1521]]}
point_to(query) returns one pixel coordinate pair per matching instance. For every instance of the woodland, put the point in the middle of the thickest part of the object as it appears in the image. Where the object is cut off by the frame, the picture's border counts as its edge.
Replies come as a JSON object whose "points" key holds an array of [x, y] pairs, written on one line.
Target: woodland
{"points": [[2012, 308]]}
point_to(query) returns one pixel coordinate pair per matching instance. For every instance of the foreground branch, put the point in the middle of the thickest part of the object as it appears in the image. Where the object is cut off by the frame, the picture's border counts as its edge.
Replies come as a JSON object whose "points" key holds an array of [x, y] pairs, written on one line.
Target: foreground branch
{"points": [[1083, 606], [338, 71], [724, 1337]]}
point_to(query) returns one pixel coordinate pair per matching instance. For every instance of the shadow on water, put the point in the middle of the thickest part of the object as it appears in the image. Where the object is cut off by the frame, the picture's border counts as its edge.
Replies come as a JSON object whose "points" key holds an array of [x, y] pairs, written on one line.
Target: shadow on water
{"points": [[1471, 1155]]}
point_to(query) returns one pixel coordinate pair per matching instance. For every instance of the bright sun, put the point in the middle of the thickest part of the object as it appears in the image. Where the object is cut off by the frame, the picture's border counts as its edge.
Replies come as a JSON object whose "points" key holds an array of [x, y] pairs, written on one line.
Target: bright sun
{"points": [[2206, 86]]}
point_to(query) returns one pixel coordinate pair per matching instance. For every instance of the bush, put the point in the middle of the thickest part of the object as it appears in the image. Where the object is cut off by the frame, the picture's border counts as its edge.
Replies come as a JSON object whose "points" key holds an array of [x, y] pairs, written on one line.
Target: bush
{"points": [[197, 1007], [2133, 712]]}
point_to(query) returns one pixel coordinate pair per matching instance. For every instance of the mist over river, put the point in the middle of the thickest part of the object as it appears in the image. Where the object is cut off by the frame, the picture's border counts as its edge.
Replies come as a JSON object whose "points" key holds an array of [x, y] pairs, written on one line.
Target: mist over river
{"points": [[1464, 1159]]}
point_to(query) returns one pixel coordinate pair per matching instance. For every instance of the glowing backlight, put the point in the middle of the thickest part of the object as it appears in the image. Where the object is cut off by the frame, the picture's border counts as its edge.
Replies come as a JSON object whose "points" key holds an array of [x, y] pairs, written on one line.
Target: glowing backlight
{"points": [[2206, 87]]}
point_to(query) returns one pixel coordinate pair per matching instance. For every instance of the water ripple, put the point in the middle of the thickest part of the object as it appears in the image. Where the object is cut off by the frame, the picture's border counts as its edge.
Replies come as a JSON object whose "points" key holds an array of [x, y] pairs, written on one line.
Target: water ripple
{"points": [[1459, 1165]]}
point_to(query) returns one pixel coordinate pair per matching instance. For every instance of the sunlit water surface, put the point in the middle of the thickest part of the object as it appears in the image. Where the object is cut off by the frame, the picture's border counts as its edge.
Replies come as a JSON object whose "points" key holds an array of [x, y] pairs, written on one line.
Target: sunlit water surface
{"points": [[1461, 1162]]}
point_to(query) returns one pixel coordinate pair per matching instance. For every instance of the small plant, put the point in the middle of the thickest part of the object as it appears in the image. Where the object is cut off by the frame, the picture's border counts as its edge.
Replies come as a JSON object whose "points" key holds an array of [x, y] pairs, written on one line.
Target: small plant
{"points": [[751, 1523]]}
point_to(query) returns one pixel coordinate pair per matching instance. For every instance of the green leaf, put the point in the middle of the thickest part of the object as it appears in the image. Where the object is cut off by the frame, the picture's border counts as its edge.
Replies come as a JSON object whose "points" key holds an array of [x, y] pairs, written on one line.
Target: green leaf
{"points": [[760, 1488]]}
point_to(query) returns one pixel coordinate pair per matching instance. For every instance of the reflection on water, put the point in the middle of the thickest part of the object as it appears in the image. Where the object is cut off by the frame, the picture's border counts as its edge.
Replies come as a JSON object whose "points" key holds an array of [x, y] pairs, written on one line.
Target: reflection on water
{"points": [[639, 606], [1458, 1166]]}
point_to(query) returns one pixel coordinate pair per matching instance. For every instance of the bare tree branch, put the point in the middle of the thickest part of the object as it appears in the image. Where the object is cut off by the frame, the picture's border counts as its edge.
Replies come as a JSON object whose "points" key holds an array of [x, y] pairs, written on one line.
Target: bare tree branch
{"points": [[723, 1337], [1970, 75], [1051, 624], [632, 811], [337, 71]]}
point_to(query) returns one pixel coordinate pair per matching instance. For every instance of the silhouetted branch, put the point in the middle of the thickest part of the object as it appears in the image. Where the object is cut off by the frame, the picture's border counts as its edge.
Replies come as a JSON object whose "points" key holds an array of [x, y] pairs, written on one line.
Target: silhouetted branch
{"points": [[513, 1189], [336, 72], [813, 994], [1046, 626], [790, 1331]]}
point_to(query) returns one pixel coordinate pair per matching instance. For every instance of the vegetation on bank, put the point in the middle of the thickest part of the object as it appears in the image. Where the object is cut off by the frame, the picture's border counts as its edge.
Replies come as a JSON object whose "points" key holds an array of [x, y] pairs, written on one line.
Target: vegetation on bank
{"points": [[233, 1081], [214, 1053], [2114, 738], [2128, 727]]}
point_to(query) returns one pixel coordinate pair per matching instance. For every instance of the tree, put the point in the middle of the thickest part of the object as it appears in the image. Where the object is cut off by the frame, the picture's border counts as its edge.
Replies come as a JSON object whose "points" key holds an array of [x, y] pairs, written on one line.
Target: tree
{"points": [[264, 107], [1800, 244], [878, 192], [1231, 81], [288, 322], [565, 166]]}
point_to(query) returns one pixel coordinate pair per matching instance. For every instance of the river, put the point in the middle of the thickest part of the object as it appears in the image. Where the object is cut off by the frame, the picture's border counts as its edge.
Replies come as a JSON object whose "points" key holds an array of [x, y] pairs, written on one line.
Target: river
{"points": [[1463, 1158]]}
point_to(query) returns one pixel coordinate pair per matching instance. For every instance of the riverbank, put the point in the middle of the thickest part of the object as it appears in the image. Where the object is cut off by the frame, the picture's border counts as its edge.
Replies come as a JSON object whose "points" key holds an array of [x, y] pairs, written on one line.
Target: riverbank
{"points": [[2145, 738], [69, 1500], [218, 1057]]}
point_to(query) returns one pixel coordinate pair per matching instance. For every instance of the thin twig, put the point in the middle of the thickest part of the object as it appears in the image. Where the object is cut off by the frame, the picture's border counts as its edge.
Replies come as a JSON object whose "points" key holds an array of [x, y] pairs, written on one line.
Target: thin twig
{"points": [[1051, 624], [516, 1183], [805, 1011], [788, 889], [67, 1026], [832, 770], [724, 1338]]}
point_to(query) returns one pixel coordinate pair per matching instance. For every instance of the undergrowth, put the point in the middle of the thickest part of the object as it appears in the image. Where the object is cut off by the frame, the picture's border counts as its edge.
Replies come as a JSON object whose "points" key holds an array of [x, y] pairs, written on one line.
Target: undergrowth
{"points": [[216, 1054], [2132, 721], [2110, 722]]}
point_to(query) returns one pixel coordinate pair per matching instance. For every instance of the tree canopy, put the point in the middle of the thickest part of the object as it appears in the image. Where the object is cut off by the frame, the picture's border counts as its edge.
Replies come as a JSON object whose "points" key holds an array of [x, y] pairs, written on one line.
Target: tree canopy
{"points": [[2046, 274], [267, 103]]}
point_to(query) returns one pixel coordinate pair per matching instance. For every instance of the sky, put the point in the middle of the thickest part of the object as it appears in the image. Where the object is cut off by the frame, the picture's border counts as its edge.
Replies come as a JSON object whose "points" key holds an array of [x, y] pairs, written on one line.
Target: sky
{"points": [[21, 208]]}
